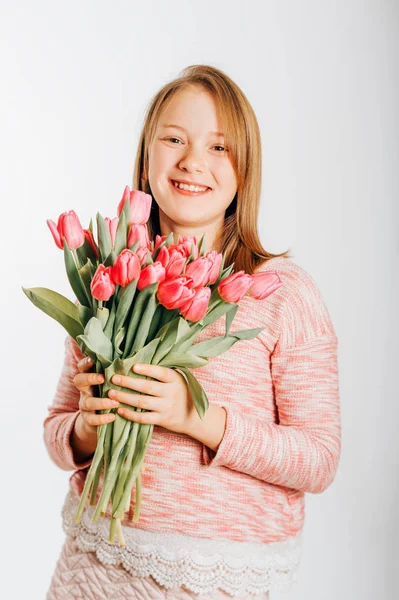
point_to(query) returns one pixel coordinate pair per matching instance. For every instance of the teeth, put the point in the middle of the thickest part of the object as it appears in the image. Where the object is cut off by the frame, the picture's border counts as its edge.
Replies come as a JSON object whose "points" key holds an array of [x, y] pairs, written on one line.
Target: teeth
{"points": [[189, 188]]}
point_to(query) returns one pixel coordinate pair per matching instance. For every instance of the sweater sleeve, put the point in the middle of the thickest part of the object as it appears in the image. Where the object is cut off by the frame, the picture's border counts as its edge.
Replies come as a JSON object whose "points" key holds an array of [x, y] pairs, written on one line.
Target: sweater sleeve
{"points": [[63, 412], [302, 450]]}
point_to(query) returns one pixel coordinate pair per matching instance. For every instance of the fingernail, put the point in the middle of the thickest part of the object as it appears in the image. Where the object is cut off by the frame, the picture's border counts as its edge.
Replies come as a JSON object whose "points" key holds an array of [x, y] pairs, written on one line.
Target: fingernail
{"points": [[88, 360], [116, 379]]}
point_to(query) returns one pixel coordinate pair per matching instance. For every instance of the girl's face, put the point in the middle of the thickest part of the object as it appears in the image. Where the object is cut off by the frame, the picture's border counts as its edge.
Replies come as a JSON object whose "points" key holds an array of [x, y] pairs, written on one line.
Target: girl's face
{"points": [[187, 148]]}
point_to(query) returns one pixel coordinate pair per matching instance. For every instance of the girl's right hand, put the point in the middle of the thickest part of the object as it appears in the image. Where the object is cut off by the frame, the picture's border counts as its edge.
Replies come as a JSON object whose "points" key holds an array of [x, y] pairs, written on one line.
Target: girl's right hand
{"points": [[88, 404]]}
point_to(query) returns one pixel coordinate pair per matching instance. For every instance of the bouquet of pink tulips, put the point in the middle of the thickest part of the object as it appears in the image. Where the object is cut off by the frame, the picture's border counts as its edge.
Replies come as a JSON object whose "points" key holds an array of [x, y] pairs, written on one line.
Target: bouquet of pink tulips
{"points": [[140, 301]]}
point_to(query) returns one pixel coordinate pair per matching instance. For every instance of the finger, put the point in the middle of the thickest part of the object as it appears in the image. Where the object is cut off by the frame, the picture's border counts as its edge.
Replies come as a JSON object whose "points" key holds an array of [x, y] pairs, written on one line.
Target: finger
{"points": [[147, 386], [150, 417], [92, 403], [164, 374], [137, 400], [85, 364], [84, 381], [95, 419]]}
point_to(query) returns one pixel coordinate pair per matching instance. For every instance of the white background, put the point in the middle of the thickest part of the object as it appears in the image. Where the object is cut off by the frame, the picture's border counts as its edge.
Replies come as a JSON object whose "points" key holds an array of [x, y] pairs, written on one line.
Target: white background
{"points": [[323, 79]]}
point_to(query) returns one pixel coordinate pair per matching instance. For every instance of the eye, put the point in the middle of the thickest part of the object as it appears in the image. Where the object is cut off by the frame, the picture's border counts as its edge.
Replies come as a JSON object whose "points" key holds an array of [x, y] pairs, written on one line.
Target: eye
{"points": [[169, 139], [223, 148]]}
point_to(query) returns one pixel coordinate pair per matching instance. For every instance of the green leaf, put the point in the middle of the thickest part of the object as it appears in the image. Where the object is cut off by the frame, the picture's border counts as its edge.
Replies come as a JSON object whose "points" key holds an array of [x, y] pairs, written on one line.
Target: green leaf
{"points": [[149, 260], [104, 238], [198, 394], [247, 334], [96, 340], [121, 234], [85, 314], [214, 346], [230, 317], [74, 278], [118, 340], [218, 311], [86, 251], [135, 246], [202, 245], [102, 315], [111, 258], [173, 331], [217, 345], [86, 274], [176, 359], [57, 307]]}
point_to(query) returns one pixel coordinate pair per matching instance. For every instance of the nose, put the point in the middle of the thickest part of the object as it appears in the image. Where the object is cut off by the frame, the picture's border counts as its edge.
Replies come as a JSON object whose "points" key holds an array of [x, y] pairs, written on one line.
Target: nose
{"points": [[192, 161]]}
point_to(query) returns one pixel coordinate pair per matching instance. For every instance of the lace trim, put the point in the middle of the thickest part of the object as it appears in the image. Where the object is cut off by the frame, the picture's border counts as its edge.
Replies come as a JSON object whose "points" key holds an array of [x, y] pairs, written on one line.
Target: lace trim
{"points": [[201, 564]]}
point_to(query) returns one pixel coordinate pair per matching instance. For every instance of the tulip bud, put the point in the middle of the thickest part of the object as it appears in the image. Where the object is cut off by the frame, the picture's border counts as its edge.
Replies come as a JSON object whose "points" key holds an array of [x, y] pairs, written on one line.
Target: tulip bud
{"points": [[188, 243], [112, 226], [142, 254], [198, 270], [151, 274], [163, 256], [102, 285], [264, 284], [216, 259], [195, 308], [234, 287], [138, 233], [126, 268], [176, 263], [140, 206], [68, 227], [173, 293], [159, 239]]}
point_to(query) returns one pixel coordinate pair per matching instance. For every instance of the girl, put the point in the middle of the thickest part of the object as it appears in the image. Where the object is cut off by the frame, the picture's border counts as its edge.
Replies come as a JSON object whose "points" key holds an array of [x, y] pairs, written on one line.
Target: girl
{"points": [[223, 499]]}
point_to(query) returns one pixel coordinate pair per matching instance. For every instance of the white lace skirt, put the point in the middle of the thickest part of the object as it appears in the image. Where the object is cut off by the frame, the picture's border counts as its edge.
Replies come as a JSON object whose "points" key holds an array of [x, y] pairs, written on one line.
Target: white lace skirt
{"points": [[80, 575]]}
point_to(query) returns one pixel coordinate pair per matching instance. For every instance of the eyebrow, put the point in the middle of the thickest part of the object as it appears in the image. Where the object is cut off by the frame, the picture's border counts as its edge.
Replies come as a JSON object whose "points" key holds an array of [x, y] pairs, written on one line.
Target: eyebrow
{"points": [[218, 133]]}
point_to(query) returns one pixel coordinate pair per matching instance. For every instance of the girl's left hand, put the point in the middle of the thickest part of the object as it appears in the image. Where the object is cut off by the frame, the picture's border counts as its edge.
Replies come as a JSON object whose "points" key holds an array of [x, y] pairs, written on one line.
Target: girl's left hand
{"points": [[168, 398]]}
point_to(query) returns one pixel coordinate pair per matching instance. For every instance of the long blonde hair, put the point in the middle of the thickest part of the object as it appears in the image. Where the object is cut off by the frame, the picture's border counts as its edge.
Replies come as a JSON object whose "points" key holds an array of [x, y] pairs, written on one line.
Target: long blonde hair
{"points": [[239, 237]]}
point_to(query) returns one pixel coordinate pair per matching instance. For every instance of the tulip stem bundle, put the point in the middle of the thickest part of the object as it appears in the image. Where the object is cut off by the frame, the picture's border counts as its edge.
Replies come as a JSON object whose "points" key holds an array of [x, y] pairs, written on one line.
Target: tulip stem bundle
{"points": [[140, 301]]}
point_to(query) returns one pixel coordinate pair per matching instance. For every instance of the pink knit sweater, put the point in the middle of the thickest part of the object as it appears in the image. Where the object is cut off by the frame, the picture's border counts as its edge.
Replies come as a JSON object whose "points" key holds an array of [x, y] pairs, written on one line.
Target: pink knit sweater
{"points": [[283, 431]]}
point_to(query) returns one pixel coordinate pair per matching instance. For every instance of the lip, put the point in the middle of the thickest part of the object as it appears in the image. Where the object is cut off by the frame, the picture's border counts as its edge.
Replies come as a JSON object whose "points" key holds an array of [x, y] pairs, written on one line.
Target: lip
{"points": [[186, 192]]}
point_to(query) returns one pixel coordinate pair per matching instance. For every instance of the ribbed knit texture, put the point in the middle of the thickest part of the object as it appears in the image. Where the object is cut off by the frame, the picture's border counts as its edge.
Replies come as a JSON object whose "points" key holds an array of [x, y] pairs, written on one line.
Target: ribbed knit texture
{"points": [[283, 431]]}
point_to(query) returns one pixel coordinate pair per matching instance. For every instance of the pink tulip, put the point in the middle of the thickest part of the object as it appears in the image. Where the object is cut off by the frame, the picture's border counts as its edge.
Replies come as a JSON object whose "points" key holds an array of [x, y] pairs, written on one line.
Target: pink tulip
{"points": [[68, 227], [112, 226], [126, 268], [90, 238], [264, 284], [234, 287], [150, 274], [216, 259], [195, 309], [102, 285], [199, 270], [140, 205], [173, 293], [138, 233], [142, 254], [177, 260], [159, 239], [163, 256], [188, 243]]}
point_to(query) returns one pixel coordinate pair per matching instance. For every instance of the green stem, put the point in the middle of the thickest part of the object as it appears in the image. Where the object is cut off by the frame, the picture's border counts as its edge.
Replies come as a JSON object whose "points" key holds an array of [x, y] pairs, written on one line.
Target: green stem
{"points": [[136, 465], [138, 499], [127, 463], [92, 471], [111, 474]]}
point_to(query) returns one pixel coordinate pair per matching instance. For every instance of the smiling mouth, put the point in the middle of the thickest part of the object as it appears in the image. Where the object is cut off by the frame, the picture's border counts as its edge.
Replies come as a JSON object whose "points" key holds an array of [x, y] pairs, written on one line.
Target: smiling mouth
{"points": [[189, 192]]}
